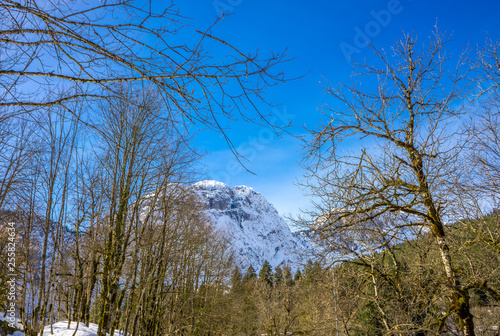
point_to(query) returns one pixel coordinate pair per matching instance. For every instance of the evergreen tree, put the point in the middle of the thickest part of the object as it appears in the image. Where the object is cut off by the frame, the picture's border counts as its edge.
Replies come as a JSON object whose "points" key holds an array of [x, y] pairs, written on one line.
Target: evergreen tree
{"points": [[287, 276], [250, 274], [309, 271], [236, 278], [266, 274], [278, 275]]}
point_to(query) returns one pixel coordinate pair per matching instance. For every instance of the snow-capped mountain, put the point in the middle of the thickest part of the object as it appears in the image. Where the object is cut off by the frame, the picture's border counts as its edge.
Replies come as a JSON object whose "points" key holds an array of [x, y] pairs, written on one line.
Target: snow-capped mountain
{"points": [[258, 233], [252, 224]]}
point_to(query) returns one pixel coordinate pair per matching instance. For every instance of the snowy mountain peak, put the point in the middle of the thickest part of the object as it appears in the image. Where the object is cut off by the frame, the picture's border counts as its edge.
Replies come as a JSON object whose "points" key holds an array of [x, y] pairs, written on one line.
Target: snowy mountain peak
{"points": [[211, 184], [253, 225]]}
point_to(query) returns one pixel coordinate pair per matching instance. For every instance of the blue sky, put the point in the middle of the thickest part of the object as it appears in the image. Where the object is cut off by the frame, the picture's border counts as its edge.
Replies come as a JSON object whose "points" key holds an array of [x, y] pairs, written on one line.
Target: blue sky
{"points": [[318, 35]]}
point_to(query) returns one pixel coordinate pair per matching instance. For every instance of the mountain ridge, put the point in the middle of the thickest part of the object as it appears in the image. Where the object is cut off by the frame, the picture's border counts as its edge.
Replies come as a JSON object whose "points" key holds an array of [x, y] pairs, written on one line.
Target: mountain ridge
{"points": [[252, 224]]}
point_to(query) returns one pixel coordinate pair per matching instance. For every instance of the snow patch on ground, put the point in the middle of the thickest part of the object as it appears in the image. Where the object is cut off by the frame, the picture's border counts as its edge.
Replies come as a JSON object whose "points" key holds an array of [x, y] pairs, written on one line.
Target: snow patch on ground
{"points": [[17, 324], [61, 329]]}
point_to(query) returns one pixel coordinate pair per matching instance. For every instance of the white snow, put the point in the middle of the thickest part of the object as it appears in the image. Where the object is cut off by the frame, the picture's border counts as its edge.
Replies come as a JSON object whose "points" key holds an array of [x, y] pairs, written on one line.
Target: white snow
{"points": [[252, 224], [210, 184], [17, 323], [258, 233], [17, 333], [61, 329]]}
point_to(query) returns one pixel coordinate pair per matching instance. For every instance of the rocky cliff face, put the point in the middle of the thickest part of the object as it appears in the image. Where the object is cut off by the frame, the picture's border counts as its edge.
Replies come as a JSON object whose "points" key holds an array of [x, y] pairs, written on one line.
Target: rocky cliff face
{"points": [[258, 233], [252, 224]]}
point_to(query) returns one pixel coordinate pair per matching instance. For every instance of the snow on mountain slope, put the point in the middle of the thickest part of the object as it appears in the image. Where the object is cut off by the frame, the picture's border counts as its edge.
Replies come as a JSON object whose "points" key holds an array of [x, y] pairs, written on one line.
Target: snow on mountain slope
{"points": [[339, 239], [258, 233], [253, 225]]}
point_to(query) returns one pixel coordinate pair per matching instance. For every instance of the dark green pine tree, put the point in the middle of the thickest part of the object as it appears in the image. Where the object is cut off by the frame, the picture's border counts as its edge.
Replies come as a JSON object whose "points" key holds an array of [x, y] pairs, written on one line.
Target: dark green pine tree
{"points": [[250, 274], [266, 274], [278, 276], [308, 271], [312, 271], [236, 278], [287, 276]]}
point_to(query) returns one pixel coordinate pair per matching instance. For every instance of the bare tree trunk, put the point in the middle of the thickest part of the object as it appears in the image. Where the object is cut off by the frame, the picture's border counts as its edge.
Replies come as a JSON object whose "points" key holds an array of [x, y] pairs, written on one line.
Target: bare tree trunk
{"points": [[410, 172]]}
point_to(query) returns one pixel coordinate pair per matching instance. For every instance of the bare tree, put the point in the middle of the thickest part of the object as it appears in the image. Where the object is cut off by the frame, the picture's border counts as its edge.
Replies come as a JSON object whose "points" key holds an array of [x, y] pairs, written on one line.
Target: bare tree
{"points": [[483, 133], [408, 156], [17, 149], [479, 195], [488, 66], [81, 175], [55, 52]]}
